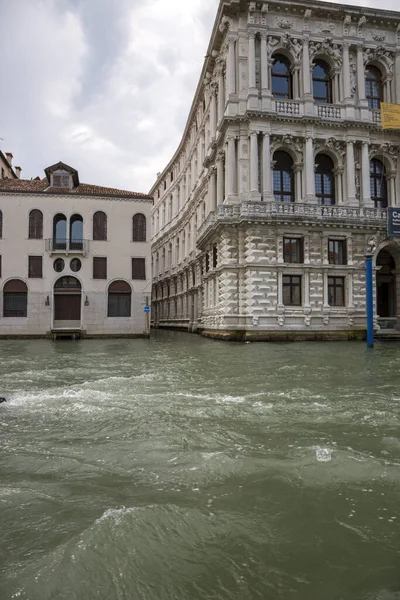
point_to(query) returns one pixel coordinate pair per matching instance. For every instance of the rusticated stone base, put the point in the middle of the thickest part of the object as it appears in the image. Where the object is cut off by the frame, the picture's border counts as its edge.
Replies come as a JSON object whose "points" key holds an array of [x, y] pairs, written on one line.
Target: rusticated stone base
{"points": [[284, 336]]}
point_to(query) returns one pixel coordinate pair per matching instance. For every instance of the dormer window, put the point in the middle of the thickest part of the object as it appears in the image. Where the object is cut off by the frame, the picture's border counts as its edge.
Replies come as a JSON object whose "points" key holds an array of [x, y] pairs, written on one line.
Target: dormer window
{"points": [[61, 179]]}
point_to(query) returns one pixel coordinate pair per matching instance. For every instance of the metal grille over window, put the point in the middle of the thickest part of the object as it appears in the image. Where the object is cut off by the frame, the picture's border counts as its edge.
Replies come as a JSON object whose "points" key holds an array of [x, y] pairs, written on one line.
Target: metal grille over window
{"points": [[99, 267], [119, 299], [15, 299], [100, 226], [35, 267], [139, 228], [139, 268], [35, 225]]}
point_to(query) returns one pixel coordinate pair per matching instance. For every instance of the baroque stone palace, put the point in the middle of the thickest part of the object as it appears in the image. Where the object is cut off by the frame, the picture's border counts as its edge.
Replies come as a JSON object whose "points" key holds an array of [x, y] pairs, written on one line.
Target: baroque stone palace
{"points": [[283, 176]]}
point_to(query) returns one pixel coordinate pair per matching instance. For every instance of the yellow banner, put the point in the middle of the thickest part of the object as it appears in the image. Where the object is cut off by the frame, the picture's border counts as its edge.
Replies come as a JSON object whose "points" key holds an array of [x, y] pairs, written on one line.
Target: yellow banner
{"points": [[390, 114]]}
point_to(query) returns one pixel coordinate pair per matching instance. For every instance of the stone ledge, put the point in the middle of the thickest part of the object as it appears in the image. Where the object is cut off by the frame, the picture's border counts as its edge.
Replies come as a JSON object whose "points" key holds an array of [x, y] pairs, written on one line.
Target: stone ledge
{"points": [[284, 336]]}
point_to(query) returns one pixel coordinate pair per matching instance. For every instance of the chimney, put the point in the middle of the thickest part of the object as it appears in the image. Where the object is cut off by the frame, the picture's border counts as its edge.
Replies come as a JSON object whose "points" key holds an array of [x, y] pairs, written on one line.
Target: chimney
{"points": [[9, 158], [18, 172]]}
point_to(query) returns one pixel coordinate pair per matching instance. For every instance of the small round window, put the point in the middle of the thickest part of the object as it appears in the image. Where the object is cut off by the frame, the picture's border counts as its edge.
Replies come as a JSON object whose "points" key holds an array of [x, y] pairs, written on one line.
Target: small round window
{"points": [[59, 265], [75, 265]]}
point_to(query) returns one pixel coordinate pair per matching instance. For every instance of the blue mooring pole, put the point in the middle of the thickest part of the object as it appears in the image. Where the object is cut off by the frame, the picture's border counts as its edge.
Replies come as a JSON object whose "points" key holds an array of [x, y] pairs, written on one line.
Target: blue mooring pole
{"points": [[370, 299]]}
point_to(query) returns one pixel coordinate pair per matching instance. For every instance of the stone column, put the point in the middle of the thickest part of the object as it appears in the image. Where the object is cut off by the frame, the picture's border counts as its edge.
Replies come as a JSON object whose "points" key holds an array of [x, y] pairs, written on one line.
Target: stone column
{"points": [[213, 112], [280, 290], [339, 185], [231, 66], [326, 298], [346, 73], [221, 94], [267, 172], [212, 190], [351, 174], [350, 302], [361, 77], [230, 166], [392, 189], [220, 178], [306, 69], [264, 64], [365, 175], [306, 289], [310, 170], [252, 61], [397, 75], [254, 163], [297, 168]]}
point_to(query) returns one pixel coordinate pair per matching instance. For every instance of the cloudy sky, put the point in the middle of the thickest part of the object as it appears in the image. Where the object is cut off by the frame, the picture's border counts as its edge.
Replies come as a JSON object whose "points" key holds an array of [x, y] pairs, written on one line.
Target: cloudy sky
{"points": [[104, 85]]}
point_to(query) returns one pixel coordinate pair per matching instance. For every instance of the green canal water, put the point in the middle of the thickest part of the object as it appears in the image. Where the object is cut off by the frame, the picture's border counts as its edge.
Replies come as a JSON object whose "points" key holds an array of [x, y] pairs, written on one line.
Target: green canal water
{"points": [[180, 468]]}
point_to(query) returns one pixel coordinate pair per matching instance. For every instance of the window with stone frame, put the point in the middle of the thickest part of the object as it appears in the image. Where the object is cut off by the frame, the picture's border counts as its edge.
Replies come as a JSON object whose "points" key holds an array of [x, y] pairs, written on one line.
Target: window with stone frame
{"points": [[139, 268], [283, 177], [293, 250], [378, 183], [100, 226], [99, 267], [336, 291], [322, 83], [337, 252], [281, 78], [324, 180], [35, 267], [139, 228], [291, 290], [373, 87]]}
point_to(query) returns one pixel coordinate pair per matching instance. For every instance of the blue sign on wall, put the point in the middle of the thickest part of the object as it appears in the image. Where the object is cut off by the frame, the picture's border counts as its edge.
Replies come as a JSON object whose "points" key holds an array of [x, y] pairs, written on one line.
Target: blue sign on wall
{"points": [[394, 222], [147, 309]]}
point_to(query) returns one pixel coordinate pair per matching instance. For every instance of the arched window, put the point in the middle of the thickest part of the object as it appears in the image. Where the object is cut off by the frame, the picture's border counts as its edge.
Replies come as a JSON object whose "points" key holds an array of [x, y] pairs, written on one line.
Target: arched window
{"points": [[60, 232], [100, 226], [378, 183], [68, 282], [322, 84], [283, 177], [35, 231], [139, 228], [324, 180], [15, 299], [119, 299], [1, 224], [76, 232], [281, 78], [373, 87]]}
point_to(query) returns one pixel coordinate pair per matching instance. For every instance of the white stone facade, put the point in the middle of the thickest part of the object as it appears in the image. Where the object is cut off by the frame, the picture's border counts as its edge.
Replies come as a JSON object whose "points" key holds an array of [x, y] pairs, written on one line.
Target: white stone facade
{"points": [[21, 239], [263, 169]]}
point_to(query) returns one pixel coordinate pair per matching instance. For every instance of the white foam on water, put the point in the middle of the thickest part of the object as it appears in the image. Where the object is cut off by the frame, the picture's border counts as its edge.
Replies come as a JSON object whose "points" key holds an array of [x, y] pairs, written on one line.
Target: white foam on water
{"points": [[323, 454], [116, 514], [231, 399]]}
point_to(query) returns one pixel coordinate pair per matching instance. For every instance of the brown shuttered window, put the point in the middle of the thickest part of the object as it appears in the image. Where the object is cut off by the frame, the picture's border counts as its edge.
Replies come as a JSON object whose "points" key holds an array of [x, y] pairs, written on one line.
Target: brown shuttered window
{"points": [[100, 226], [1, 224], [139, 228], [99, 267], [138, 268], [35, 225], [35, 267]]}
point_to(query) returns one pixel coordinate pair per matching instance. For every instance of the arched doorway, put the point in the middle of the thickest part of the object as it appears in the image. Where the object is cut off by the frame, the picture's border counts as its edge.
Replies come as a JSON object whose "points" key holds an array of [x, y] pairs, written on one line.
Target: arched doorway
{"points": [[67, 303], [386, 289]]}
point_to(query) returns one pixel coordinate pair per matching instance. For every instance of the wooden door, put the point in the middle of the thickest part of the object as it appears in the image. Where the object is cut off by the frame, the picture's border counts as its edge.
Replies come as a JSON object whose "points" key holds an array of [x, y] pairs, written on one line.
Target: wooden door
{"points": [[67, 307]]}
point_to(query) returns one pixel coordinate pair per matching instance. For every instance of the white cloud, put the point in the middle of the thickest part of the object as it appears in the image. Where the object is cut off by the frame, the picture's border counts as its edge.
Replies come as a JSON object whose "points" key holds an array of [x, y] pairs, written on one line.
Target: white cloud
{"points": [[104, 85]]}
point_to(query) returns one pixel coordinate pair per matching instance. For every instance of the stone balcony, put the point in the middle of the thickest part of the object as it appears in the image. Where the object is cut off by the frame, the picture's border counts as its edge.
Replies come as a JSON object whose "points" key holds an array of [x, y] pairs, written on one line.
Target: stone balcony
{"points": [[292, 212]]}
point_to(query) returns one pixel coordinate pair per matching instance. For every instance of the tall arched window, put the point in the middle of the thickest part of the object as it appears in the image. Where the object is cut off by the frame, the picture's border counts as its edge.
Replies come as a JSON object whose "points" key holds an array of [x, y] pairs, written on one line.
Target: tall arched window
{"points": [[35, 230], [15, 299], [119, 299], [378, 183], [322, 84], [283, 177], [100, 226], [324, 180], [139, 228], [76, 232], [1, 224], [373, 87], [60, 232], [281, 78]]}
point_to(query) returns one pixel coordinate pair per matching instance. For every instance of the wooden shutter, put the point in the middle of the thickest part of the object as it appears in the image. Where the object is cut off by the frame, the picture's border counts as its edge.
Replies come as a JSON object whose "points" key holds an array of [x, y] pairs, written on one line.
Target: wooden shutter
{"points": [[99, 267], [139, 228], [100, 226], [139, 268], [35, 225], [35, 267]]}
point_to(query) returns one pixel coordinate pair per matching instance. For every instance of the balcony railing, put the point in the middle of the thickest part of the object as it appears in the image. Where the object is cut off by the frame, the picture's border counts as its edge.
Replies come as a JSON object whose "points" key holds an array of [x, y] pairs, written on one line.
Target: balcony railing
{"points": [[288, 108], [62, 246], [326, 111], [248, 211], [376, 117]]}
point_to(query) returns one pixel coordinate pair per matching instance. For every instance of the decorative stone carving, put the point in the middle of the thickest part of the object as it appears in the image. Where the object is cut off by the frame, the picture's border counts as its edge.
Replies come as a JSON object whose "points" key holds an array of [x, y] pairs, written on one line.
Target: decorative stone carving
{"points": [[346, 25], [295, 143], [360, 25], [284, 23], [358, 180], [256, 321], [226, 23], [324, 27], [350, 321], [325, 320], [272, 43], [379, 36], [353, 75], [292, 44], [281, 320], [380, 53], [339, 148], [398, 34], [327, 47], [307, 17], [307, 320]]}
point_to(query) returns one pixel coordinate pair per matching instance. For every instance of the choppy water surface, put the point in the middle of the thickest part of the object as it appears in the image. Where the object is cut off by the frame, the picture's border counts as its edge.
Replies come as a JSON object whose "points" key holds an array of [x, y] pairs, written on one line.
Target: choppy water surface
{"points": [[186, 469]]}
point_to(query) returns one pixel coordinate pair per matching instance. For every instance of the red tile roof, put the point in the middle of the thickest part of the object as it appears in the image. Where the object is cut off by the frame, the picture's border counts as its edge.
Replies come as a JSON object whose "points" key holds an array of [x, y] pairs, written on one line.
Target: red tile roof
{"points": [[37, 186]]}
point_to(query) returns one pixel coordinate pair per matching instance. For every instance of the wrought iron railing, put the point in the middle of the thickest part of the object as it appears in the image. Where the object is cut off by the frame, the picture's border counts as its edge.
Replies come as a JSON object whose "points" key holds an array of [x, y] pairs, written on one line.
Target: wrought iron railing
{"points": [[57, 245]]}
